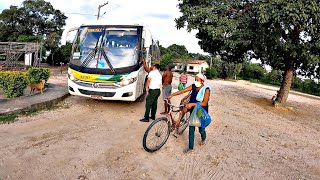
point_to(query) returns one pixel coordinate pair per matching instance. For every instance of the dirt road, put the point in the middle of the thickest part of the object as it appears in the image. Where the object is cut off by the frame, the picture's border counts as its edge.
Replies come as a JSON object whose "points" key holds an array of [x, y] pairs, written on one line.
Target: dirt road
{"points": [[88, 139]]}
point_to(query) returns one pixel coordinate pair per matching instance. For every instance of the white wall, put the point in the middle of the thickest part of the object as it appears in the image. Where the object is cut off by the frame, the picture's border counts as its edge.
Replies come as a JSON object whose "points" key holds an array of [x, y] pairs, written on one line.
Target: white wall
{"points": [[28, 59], [178, 67], [197, 67], [203, 66]]}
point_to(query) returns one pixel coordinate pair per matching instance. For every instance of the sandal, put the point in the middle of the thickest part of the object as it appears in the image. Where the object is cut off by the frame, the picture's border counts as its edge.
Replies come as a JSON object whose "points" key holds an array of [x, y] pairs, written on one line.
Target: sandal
{"points": [[203, 143]]}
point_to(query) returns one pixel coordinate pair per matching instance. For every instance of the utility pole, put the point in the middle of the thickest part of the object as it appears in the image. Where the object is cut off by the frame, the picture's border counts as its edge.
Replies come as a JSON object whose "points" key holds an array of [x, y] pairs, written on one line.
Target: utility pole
{"points": [[100, 6]]}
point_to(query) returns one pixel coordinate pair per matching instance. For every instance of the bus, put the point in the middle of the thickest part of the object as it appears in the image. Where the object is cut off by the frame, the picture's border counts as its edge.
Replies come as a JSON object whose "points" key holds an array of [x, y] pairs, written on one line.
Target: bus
{"points": [[106, 61]]}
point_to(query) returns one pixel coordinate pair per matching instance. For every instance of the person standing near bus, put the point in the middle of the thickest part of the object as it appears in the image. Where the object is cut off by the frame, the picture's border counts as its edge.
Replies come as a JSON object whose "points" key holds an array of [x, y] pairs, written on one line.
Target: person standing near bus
{"points": [[203, 99], [166, 87], [184, 79], [153, 85]]}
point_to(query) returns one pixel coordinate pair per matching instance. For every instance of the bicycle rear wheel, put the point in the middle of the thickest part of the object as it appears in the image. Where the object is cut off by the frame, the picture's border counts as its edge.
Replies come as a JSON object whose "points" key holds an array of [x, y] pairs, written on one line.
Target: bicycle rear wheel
{"points": [[156, 135], [184, 122]]}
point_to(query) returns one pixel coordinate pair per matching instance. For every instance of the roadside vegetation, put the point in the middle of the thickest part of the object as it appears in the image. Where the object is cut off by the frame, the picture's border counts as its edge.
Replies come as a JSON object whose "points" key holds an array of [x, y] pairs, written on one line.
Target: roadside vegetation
{"points": [[281, 34], [9, 118], [13, 83], [256, 73]]}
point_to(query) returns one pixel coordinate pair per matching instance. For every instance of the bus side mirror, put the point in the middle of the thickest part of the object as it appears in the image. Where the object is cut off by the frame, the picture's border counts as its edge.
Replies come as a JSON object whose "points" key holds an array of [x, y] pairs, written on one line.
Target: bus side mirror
{"points": [[65, 34], [76, 55]]}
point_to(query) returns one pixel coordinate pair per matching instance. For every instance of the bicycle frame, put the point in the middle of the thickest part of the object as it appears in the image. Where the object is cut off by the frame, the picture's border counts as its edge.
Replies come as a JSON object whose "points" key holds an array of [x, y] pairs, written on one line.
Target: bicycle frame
{"points": [[169, 115]]}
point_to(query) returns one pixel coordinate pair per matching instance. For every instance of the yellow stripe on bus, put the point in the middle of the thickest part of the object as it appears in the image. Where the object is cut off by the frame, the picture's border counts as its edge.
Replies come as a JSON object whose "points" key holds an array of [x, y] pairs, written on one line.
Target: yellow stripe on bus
{"points": [[88, 77]]}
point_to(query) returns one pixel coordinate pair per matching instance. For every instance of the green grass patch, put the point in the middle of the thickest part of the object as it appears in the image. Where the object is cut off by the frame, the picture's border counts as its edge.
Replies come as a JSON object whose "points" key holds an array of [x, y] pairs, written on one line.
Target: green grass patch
{"points": [[264, 83], [10, 118]]}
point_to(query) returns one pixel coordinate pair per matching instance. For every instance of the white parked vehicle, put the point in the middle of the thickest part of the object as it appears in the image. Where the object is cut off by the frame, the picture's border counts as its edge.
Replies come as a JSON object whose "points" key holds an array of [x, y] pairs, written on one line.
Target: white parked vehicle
{"points": [[106, 61]]}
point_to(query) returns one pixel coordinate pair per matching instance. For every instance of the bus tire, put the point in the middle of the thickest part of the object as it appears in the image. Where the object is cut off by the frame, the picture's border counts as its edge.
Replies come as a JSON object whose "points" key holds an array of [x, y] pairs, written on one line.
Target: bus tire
{"points": [[142, 97]]}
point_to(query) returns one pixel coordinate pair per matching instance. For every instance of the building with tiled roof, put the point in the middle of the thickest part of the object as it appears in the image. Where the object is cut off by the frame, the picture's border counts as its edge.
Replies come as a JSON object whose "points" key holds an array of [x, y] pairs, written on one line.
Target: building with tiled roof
{"points": [[191, 65]]}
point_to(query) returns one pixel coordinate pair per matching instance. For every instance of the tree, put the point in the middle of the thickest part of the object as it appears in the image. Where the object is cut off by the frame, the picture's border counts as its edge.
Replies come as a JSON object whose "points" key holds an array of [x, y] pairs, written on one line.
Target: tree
{"points": [[252, 71], [274, 76], [9, 24], [42, 18], [61, 54], [178, 51], [34, 21], [282, 34], [166, 59], [52, 43], [199, 56]]}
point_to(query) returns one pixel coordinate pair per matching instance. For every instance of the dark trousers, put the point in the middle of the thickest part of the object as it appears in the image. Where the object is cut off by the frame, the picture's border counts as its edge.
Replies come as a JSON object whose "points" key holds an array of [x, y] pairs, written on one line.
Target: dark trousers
{"points": [[151, 103], [191, 135]]}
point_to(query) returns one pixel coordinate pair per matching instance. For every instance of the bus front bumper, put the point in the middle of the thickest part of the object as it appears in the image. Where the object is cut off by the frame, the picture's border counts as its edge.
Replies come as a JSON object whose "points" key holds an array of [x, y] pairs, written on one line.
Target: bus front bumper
{"points": [[125, 93]]}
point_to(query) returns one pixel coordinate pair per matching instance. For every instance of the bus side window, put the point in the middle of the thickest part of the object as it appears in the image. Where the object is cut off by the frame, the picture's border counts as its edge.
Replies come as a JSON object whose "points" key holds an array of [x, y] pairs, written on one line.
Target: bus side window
{"points": [[143, 50]]}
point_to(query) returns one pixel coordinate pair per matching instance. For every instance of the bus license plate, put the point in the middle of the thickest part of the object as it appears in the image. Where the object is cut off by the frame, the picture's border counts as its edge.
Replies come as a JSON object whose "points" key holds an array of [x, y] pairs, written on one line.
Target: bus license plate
{"points": [[97, 97]]}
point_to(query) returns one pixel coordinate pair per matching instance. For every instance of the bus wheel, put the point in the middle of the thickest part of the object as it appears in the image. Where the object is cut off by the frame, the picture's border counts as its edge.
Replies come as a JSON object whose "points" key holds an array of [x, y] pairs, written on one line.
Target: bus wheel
{"points": [[142, 97]]}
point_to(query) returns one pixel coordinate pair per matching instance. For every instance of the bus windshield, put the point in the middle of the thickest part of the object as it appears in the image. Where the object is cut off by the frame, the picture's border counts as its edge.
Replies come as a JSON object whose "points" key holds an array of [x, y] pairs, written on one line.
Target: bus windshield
{"points": [[106, 48]]}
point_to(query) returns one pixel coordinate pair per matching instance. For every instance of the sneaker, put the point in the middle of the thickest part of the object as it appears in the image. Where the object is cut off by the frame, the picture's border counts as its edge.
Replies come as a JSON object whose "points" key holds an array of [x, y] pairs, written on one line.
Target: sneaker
{"points": [[144, 120], [188, 151], [203, 143]]}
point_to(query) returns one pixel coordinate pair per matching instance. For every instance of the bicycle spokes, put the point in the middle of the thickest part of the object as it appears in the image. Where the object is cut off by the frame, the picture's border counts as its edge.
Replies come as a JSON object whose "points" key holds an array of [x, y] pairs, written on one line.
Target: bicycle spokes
{"points": [[157, 135]]}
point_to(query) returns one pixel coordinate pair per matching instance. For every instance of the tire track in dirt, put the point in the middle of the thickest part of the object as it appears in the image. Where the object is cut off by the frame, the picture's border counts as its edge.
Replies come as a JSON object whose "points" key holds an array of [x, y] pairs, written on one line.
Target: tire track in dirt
{"points": [[188, 168]]}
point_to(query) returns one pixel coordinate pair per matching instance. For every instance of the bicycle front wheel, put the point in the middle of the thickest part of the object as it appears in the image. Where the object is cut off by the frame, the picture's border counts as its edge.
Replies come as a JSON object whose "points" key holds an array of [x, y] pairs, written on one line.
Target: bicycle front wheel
{"points": [[156, 135], [184, 122]]}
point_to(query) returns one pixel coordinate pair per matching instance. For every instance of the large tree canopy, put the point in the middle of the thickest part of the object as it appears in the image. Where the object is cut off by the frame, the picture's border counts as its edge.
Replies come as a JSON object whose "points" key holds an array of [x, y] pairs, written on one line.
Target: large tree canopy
{"points": [[282, 33], [33, 21]]}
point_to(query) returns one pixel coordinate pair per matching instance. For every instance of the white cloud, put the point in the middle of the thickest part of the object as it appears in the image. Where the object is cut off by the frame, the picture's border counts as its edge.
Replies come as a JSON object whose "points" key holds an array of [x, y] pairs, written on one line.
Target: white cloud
{"points": [[158, 14]]}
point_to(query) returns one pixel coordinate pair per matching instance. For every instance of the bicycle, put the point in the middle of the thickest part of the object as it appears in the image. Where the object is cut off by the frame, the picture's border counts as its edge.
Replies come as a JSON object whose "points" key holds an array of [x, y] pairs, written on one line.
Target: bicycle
{"points": [[162, 127]]}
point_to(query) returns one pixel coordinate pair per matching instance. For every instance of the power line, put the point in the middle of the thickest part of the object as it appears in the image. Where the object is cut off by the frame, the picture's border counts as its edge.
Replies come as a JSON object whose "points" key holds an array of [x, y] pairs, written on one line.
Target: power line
{"points": [[83, 14]]}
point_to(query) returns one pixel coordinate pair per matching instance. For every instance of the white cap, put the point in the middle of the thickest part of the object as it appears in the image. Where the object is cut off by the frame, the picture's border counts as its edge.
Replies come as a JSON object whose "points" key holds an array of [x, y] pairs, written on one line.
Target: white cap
{"points": [[201, 76]]}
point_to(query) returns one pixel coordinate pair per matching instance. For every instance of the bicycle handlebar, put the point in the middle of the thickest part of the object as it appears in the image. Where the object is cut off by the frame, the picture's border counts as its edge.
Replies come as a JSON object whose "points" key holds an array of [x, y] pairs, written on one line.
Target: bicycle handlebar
{"points": [[172, 105]]}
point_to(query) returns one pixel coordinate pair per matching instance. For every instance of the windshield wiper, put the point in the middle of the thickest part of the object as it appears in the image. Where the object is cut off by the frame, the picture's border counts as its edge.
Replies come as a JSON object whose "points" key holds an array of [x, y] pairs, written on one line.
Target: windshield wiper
{"points": [[90, 56], [105, 55], [108, 61], [96, 50]]}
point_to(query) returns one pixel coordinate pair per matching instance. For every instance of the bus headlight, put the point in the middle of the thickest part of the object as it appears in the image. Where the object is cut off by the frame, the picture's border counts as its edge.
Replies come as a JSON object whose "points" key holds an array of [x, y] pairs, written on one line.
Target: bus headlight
{"points": [[70, 76], [126, 82]]}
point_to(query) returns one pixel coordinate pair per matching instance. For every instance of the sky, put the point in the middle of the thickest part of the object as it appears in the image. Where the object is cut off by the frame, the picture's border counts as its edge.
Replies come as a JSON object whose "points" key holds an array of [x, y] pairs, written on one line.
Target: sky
{"points": [[159, 15]]}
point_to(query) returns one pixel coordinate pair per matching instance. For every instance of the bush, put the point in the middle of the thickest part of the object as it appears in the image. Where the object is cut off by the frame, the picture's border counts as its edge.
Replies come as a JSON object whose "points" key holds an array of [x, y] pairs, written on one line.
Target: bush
{"points": [[211, 73], [35, 75], [297, 83], [252, 71], [165, 60], [274, 77], [13, 83], [181, 71], [1, 79]]}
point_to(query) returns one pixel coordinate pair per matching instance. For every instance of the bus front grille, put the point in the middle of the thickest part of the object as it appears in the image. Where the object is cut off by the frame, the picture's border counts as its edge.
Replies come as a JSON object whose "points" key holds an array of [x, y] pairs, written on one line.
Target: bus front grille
{"points": [[95, 85], [95, 93]]}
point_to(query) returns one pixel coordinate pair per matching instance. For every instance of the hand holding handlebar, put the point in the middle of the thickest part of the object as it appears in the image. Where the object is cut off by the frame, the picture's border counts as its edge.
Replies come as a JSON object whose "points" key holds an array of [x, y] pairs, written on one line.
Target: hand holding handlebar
{"points": [[167, 101]]}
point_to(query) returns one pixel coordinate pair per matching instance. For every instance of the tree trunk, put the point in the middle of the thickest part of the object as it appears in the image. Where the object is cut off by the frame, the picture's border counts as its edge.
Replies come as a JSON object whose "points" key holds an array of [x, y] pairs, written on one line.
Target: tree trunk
{"points": [[52, 59], [283, 93]]}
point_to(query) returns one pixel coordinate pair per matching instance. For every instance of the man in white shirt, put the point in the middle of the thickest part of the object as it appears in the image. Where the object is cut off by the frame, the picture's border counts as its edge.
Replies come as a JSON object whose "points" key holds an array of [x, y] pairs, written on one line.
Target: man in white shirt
{"points": [[153, 89]]}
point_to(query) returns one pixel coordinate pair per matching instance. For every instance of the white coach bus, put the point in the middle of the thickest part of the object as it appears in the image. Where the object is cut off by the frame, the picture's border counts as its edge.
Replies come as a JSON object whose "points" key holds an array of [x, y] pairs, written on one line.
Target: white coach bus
{"points": [[106, 61]]}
